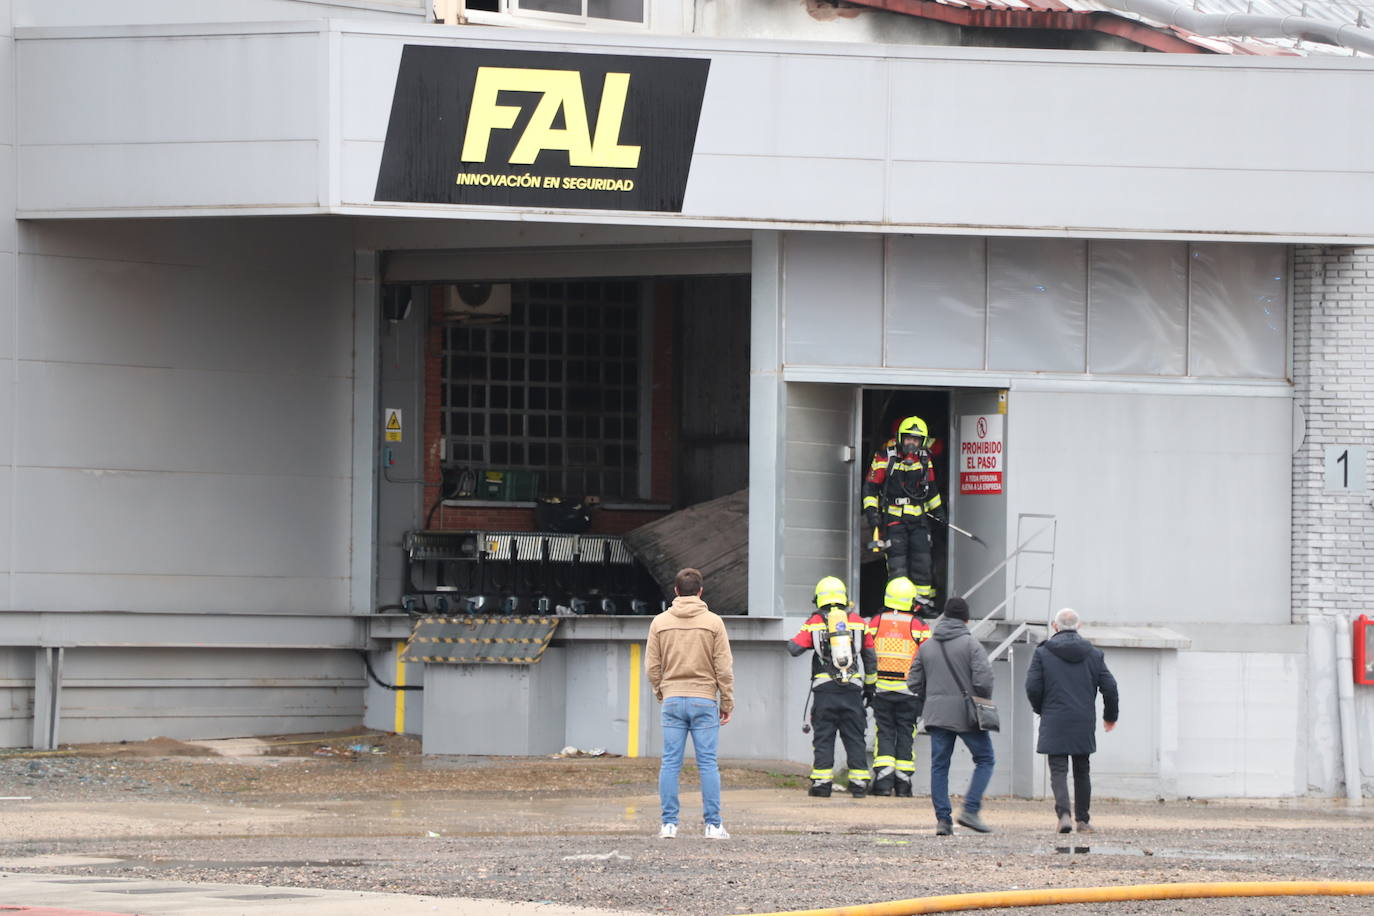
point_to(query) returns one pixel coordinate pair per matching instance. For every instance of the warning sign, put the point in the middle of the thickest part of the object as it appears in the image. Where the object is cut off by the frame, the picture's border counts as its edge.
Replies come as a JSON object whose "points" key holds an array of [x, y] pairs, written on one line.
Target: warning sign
{"points": [[980, 454], [392, 425]]}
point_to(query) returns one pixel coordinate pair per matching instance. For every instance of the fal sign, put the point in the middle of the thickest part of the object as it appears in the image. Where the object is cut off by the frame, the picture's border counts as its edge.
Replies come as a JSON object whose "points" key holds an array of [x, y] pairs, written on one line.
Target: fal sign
{"points": [[541, 129], [980, 454]]}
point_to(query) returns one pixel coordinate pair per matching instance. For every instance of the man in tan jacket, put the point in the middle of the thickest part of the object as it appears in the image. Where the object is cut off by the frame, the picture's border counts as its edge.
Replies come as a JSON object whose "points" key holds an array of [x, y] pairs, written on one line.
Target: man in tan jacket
{"points": [[689, 666]]}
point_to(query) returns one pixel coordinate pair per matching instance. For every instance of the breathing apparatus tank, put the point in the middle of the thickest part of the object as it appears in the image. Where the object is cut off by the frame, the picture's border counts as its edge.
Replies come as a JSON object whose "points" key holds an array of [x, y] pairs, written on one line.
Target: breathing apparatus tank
{"points": [[841, 642]]}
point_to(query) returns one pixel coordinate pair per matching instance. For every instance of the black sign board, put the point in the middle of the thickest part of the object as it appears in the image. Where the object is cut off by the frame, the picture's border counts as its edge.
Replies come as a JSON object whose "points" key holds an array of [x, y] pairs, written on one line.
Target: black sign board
{"points": [[541, 129]]}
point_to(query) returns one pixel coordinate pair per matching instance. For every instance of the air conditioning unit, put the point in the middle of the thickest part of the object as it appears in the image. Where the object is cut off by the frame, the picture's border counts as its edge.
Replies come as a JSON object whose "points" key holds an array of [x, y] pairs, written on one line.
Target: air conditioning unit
{"points": [[476, 301]]}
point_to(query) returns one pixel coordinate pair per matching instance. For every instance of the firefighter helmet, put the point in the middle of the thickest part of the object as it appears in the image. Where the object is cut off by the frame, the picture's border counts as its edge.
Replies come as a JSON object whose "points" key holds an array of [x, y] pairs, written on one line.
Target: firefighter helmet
{"points": [[916, 427], [830, 591], [901, 591]]}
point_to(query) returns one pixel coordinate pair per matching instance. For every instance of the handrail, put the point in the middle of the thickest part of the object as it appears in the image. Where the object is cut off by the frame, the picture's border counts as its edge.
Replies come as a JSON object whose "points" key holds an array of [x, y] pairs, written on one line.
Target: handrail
{"points": [[976, 628]]}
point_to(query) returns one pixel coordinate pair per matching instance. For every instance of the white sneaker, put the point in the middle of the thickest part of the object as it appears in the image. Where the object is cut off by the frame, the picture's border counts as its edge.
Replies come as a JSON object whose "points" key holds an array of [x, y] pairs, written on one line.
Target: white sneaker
{"points": [[667, 832], [716, 832]]}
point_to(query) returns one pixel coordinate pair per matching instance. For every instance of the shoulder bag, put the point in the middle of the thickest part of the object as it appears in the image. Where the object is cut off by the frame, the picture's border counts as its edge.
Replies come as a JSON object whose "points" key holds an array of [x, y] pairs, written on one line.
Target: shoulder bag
{"points": [[984, 712]]}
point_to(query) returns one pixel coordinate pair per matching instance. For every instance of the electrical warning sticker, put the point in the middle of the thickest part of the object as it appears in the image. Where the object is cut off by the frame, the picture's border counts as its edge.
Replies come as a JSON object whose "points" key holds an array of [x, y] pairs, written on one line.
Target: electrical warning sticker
{"points": [[392, 427]]}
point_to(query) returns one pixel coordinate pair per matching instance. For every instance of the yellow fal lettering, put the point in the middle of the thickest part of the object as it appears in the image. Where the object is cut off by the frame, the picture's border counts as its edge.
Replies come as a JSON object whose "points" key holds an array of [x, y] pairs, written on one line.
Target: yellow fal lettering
{"points": [[559, 90]]}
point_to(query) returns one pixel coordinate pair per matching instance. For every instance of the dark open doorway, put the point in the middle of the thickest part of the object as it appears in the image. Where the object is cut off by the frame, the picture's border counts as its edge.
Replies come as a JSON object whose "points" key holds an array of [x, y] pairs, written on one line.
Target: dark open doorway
{"points": [[883, 409]]}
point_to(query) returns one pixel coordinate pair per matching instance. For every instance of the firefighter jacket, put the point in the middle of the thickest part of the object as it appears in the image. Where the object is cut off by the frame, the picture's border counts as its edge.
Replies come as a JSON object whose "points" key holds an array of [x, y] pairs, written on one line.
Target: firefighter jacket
{"points": [[897, 637], [824, 675], [902, 486]]}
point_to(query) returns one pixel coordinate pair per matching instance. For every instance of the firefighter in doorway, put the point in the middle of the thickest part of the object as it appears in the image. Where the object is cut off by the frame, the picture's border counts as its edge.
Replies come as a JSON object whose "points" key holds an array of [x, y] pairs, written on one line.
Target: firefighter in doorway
{"points": [[897, 635], [843, 674], [900, 498]]}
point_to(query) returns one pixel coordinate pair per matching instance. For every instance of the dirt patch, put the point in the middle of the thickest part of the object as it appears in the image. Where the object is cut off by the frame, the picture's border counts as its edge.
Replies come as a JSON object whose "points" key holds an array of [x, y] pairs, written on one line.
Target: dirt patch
{"points": [[153, 747]]}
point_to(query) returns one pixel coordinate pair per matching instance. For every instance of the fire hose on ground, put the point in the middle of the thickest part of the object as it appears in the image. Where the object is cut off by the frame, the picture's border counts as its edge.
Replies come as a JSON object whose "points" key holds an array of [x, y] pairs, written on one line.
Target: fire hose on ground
{"points": [[1049, 896]]}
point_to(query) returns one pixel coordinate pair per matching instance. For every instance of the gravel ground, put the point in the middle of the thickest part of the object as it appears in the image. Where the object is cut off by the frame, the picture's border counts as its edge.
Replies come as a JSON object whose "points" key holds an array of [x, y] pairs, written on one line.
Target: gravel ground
{"points": [[581, 831]]}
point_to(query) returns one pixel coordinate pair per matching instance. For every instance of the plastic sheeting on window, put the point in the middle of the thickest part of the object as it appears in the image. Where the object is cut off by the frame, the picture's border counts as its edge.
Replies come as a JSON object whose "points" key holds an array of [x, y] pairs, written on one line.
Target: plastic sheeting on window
{"points": [[1239, 300], [833, 289], [1138, 308], [1037, 302], [936, 302]]}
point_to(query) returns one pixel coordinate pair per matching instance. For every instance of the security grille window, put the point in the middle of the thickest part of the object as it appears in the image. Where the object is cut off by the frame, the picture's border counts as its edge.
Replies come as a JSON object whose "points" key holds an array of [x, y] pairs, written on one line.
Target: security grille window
{"points": [[625, 11], [551, 388]]}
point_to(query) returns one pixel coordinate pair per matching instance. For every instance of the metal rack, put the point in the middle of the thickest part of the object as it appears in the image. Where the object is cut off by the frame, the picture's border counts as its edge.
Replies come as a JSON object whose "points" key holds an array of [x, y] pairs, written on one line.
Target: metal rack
{"points": [[512, 572]]}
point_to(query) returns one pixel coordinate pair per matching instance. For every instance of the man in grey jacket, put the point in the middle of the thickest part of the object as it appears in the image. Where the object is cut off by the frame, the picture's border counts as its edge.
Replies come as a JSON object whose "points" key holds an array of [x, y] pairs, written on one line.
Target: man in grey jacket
{"points": [[950, 659]]}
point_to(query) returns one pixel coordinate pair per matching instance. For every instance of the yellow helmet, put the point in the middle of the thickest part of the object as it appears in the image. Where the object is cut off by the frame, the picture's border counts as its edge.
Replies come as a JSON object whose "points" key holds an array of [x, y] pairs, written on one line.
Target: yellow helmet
{"points": [[914, 426], [901, 592], [830, 590]]}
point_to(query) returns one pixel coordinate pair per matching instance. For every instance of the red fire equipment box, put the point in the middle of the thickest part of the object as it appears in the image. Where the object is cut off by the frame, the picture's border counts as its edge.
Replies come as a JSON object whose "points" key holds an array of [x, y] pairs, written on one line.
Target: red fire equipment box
{"points": [[1364, 650]]}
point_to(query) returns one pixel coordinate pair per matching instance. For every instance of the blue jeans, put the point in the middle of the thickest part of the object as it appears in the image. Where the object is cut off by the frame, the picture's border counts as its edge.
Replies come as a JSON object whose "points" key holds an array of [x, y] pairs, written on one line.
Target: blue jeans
{"points": [[702, 718], [979, 744]]}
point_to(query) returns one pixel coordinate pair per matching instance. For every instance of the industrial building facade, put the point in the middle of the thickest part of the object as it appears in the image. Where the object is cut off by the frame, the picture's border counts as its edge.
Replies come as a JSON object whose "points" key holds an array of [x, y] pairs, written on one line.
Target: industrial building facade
{"points": [[272, 292]]}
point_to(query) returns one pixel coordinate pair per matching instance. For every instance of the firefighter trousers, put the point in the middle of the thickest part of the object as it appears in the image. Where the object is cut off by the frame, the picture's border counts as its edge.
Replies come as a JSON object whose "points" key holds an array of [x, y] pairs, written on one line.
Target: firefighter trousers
{"points": [[836, 708], [895, 716], [908, 553]]}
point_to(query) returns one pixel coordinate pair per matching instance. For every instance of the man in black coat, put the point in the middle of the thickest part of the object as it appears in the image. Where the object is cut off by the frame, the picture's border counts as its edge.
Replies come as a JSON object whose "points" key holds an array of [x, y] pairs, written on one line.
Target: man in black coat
{"points": [[1065, 676]]}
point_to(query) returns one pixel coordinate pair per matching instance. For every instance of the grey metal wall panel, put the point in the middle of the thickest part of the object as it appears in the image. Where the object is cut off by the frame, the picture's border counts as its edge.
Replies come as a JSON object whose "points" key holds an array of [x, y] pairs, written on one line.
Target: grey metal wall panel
{"points": [[157, 12], [162, 523], [228, 122], [1110, 95], [1037, 304], [202, 693], [1134, 479], [177, 592], [120, 417], [6, 530], [195, 89], [1239, 310], [833, 298], [746, 187], [7, 371], [269, 175], [252, 296], [935, 309], [864, 138], [818, 423], [8, 301], [1049, 196], [1138, 307], [853, 120]]}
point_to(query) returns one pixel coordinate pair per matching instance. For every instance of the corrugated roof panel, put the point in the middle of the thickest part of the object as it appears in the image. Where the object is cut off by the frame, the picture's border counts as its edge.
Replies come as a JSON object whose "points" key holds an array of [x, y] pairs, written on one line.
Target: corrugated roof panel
{"points": [[1333, 11]]}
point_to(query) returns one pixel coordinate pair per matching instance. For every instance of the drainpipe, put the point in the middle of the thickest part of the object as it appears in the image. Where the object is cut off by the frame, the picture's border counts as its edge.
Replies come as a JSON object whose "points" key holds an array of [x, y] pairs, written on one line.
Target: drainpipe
{"points": [[1345, 692], [1240, 25]]}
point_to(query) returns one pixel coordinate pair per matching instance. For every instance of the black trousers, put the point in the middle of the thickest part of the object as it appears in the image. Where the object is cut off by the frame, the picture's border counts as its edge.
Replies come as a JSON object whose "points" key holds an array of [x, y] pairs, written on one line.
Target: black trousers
{"points": [[838, 710], [1082, 785], [895, 715], [909, 552]]}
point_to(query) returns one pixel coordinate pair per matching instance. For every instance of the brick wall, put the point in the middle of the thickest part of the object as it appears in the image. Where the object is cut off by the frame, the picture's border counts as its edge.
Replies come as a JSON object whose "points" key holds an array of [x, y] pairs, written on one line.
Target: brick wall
{"points": [[662, 436], [1333, 373]]}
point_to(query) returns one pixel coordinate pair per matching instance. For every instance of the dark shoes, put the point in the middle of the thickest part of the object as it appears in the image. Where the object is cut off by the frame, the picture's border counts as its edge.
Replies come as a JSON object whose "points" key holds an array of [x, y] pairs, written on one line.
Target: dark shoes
{"points": [[944, 828], [880, 788], [820, 788], [1083, 827], [973, 822], [858, 787], [902, 789], [1065, 824]]}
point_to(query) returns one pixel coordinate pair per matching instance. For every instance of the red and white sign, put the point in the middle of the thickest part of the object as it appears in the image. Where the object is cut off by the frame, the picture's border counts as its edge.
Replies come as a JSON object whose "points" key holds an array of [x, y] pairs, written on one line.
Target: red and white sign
{"points": [[980, 454]]}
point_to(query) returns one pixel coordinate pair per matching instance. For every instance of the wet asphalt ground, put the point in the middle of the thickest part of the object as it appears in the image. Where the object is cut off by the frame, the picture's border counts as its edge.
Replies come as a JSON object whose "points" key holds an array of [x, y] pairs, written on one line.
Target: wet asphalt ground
{"points": [[583, 832]]}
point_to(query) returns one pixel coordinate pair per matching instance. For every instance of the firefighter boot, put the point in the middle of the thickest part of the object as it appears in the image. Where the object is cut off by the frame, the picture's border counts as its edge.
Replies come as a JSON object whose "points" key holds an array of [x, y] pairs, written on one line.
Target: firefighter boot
{"points": [[820, 788], [858, 787], [883, 779], [902, 787]]}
